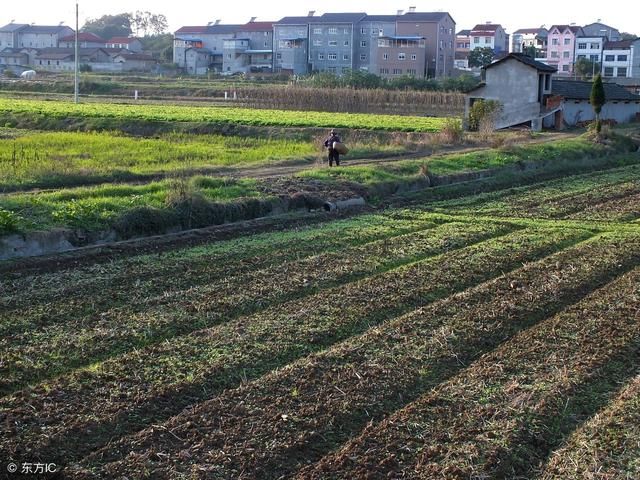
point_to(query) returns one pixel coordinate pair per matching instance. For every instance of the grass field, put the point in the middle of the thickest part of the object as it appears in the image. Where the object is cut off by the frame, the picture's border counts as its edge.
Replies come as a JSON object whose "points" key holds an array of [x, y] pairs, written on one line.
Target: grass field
{"points": [[220, 115], [494, 336]]}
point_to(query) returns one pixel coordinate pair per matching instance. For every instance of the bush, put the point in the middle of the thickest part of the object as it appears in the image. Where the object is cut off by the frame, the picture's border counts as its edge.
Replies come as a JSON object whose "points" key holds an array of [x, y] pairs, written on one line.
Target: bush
{"points": [[144, 221], [451, 132], [483, 114], [8, 221]]}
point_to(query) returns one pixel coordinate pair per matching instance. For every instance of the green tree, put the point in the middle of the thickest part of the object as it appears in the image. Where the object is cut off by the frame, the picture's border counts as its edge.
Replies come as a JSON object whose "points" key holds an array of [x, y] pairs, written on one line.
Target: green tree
{"points": [[148, 24], [597, 100], [586, 68], [530, 51], [480, 57], [109, 26], [628, 36], [159, 46]]}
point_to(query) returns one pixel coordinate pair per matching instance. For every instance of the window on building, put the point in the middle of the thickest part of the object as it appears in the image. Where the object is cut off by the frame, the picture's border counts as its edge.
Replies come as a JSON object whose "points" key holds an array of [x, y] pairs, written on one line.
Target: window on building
{"points": [[402, 56], [581, 57], [460, 45], [567, 41], [622, 58], [332, 56], [385, 56], [487, 39], [363, 31], [347, 31], [384, 71], [345, 57], [278, 56], [317, 31], [333, 43], [363, 56], [594, 58], [582, 46], [566, 54], [476, 39], [333, 31], [595, 46], [554, 54], [363, 43], [412, 72], [414, 56], [609, 58], [397, 71], [346, 43], [321, 56], [554, 41], [608, 71], [565, 68], [332, 69], [622, 71]]}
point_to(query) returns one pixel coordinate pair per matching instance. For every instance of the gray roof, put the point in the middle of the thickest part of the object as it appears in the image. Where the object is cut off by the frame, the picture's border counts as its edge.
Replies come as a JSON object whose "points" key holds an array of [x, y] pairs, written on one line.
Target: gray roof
{"points": [[296, 20], [380, 18], [577, 90], [423, 16], [44, 29], [342, 17], [12, 27], [527, 60], [464, 33], [222, 29]]}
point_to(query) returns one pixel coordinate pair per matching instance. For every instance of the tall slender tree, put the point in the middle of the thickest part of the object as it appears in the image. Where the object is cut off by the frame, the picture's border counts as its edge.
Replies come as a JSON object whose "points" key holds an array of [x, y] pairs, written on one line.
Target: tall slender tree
{"points": [[597, 100]]}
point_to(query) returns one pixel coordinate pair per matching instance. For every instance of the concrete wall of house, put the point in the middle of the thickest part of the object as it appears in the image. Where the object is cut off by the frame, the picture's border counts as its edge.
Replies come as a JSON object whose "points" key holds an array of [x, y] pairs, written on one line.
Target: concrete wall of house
{"points": [[617, 63], [366, 44], [291, 56], [72, 44], [561, 50], [331, 47], [635, 59], [581, 111], [395, 61], [589, 48], [8, 40], [440, 37], [234, 59], [516, 87]]}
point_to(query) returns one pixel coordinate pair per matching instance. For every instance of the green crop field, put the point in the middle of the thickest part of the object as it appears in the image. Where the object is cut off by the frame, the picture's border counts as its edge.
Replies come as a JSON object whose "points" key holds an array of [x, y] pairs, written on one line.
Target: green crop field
{"points": [[487, 336], [220, 115]]}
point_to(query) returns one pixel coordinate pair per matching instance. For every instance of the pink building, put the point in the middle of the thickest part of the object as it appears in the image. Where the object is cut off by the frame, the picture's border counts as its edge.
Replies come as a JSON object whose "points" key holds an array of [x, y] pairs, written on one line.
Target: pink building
{"points": [[561, 47]]}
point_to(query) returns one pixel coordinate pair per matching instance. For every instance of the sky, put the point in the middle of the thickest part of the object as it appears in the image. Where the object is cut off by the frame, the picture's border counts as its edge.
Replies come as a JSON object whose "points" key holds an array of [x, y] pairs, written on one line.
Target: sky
{"points": [[466, 13]]}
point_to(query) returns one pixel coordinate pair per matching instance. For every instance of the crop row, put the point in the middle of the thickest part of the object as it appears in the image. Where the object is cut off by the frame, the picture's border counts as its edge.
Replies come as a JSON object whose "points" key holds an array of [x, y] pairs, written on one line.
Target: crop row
{"points": [[125, 280], [326, 398], [222, 115], [504, 414], [126, 392], [553, 199], [77, 334], [607, 446]]}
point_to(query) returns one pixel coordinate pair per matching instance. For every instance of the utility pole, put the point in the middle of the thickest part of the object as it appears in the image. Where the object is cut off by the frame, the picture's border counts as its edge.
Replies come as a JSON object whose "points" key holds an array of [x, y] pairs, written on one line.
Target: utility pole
{"points": [[76, 80]]}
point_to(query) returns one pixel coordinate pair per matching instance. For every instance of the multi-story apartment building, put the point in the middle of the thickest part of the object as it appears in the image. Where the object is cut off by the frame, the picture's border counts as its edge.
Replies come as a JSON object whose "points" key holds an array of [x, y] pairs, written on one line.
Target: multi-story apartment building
{"points": [[590, 48], [371, 28], [291, 45], [490, 35], [439, 31], [85, 40], [621, 59], [562, 47], [199, 49], [251, 50], [17, 35], [463, 47], [332, 40], [601, 30], [530, 37]]}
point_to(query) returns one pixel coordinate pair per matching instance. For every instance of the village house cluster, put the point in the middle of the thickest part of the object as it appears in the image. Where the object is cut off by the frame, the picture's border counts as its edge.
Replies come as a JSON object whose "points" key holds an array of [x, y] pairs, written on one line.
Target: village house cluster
{"points": [[52, 48]]}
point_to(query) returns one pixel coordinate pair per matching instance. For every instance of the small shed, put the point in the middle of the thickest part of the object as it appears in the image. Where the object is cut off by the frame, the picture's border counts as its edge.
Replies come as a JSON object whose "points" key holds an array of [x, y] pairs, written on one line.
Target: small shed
{"points": [[620, 106]]}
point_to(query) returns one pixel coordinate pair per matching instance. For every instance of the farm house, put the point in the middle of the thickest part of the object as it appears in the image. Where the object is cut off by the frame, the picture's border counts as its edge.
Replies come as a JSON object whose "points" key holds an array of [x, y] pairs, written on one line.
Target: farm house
{"points": [[621, 105]]}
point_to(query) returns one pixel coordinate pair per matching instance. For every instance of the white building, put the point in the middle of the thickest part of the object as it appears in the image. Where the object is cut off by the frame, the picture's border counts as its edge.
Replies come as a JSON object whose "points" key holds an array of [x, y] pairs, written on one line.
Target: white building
{"points": [[590, 48], [621, 59]]}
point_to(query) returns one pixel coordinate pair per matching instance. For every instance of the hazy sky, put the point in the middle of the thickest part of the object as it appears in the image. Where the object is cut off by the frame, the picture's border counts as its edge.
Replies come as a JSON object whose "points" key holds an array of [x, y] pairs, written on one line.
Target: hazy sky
{"points": [[512, 15]]}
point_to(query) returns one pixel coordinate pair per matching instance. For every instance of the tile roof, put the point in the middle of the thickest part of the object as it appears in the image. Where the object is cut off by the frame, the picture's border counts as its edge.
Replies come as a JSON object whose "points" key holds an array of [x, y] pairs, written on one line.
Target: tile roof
{"points": [[578, 90], [527, 60], [622, 45], [136, 56], [464, 33], [342, 17], [562, 28], [12, 27], [257, 27], [83, 37], [45, 29], [486, 27], [296, 20], [380, 18], [529, 31], [423, 16], [223, 29], [192, 29], [122, 40]]}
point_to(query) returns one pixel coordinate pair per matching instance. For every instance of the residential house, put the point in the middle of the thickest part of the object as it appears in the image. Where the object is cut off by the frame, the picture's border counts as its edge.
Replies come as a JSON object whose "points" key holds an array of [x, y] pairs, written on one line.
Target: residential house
{"points": [[331, 42], [521, 85], [602, 30], [402, 55], [620, 105], [85, 40], [562, 46], [463, 47], [127, 43], [590, 48], [57, 59], [42, 36], [365, 50], [291, 44], [199, 49], [525, 38], [14, 57], [491, 36], [621, 59], [439, 32], [131, 61], [10, 35], [251, 50]]}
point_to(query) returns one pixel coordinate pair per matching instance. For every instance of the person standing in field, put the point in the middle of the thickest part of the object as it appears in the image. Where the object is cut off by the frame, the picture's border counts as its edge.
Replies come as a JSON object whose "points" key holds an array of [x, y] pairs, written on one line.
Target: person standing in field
{"points": [[334, 155]]}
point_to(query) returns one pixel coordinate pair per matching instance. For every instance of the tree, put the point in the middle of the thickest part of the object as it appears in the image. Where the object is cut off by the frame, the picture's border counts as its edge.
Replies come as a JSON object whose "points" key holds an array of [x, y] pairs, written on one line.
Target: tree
{"points": [[160, 46], [628, 36], [147, 23], [586, 68], [109, 26], [530, 51], [597, 100], [480, 57]]}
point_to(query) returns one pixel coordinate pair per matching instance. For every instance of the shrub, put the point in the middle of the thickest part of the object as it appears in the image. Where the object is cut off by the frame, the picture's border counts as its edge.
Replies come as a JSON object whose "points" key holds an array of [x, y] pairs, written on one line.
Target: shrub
{"points": [[144, 221], [451, 132], [8, 221], [483, 114]]}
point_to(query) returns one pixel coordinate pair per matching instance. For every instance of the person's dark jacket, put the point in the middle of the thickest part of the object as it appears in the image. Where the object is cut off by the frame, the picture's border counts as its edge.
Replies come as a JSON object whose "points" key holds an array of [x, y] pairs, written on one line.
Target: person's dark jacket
{"points": [[331, 140]]}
